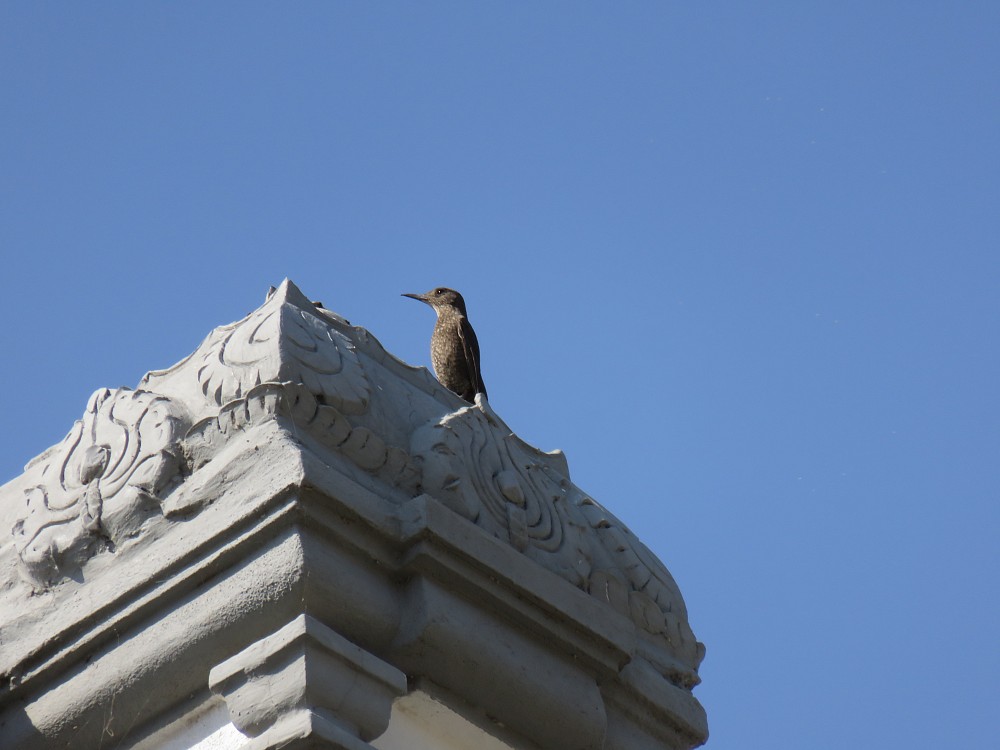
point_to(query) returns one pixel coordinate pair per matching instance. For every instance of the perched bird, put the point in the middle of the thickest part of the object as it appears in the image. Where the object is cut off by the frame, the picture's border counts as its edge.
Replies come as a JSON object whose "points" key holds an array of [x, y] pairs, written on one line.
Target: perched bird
{"points": [[454, 348]]}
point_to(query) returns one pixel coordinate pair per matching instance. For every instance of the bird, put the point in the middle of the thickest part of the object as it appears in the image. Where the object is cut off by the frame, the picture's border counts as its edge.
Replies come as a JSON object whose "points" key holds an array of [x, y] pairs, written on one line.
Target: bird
{"points": [[454, 347]]}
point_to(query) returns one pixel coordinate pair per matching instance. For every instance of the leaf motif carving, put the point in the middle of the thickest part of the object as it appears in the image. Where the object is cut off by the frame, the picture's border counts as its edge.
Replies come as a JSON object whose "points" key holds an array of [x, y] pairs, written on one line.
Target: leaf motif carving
{"points": [[284, 341], [100, 483], [524, 497], [505, 487]]}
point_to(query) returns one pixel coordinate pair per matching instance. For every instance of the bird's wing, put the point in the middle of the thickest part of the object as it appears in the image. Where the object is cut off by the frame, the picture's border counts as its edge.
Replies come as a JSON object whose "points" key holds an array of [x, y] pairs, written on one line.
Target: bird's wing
{"points": [[471, 346]]}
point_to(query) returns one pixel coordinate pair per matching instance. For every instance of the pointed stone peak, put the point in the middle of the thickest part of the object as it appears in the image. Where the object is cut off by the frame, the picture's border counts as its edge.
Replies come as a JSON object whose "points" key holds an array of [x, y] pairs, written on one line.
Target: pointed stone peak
{"points": [[287, 339], [288, 293]]}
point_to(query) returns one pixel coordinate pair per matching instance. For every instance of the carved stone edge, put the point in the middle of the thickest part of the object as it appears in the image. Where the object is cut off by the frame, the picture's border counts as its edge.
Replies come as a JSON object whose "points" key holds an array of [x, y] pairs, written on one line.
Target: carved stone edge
{"points": [[652, 694], [406, 575], [307, 683], [233, 358], [623, 586], [438, 545], [324, 423], [161, 572], [112, 688], [97, 488], [653, 709]]}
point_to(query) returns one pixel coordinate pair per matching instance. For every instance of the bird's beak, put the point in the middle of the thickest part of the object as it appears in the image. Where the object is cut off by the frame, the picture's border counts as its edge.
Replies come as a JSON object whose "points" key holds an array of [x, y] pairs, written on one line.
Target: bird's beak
{"points": [[420, 297]]}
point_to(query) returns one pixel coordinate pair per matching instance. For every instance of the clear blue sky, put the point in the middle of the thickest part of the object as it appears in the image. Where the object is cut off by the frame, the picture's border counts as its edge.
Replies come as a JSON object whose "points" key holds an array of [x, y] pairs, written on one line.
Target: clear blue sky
{"points": [[738, 260]]}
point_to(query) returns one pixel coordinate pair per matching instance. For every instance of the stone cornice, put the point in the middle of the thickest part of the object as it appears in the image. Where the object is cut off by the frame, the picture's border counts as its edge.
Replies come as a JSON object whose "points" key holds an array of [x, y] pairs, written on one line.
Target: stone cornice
{"points": [[290, 467]]}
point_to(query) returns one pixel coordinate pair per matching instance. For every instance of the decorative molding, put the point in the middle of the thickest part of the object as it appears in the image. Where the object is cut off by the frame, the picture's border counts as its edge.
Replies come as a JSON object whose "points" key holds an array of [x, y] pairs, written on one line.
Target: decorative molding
{"points": [[291, 360], [524, 496], [656, 713], [292, 465], [287, 339], [295, 402], [98, 486], [308, 686]]}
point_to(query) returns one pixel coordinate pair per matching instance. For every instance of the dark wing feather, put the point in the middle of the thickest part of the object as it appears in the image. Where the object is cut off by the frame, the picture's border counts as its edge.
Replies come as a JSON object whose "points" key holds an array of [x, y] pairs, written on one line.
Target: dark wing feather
{"points": [[470, 344]]}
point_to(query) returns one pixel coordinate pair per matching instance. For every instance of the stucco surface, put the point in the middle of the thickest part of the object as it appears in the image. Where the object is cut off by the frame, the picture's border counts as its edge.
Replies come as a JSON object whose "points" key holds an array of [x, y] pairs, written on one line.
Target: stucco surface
{"points": [[291, 473]]}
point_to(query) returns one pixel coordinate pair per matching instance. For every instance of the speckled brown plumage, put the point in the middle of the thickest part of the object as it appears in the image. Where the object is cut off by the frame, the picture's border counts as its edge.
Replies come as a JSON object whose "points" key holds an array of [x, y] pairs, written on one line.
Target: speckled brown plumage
{"points": [[454, 347]]}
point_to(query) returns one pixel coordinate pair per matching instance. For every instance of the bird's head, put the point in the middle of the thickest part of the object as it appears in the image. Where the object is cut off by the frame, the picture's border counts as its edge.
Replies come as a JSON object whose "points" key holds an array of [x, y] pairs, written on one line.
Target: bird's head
{"points": [[441, 298]]}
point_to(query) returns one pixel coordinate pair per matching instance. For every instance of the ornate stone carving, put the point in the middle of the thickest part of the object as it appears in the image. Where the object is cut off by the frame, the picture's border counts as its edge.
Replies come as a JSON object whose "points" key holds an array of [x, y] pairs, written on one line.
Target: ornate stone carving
{"points": [[296, 402], [286, 339], [362, 434], [100, 484], [632, 580], [523, 496], [504, 486], [293, 361]]}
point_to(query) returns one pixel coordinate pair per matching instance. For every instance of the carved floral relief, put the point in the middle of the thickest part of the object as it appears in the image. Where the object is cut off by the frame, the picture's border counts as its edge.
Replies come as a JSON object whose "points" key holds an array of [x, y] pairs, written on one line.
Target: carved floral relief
{"points": [[100, 484], [282, 342], [326, 424], [522, 496]]}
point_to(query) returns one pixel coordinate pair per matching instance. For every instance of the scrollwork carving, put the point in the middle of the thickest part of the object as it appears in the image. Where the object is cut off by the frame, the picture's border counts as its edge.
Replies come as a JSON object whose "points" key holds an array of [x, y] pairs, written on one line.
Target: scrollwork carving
{"points": [[523, 496], [504, 486], [287, 339], [98, 486], [326, 424]]}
